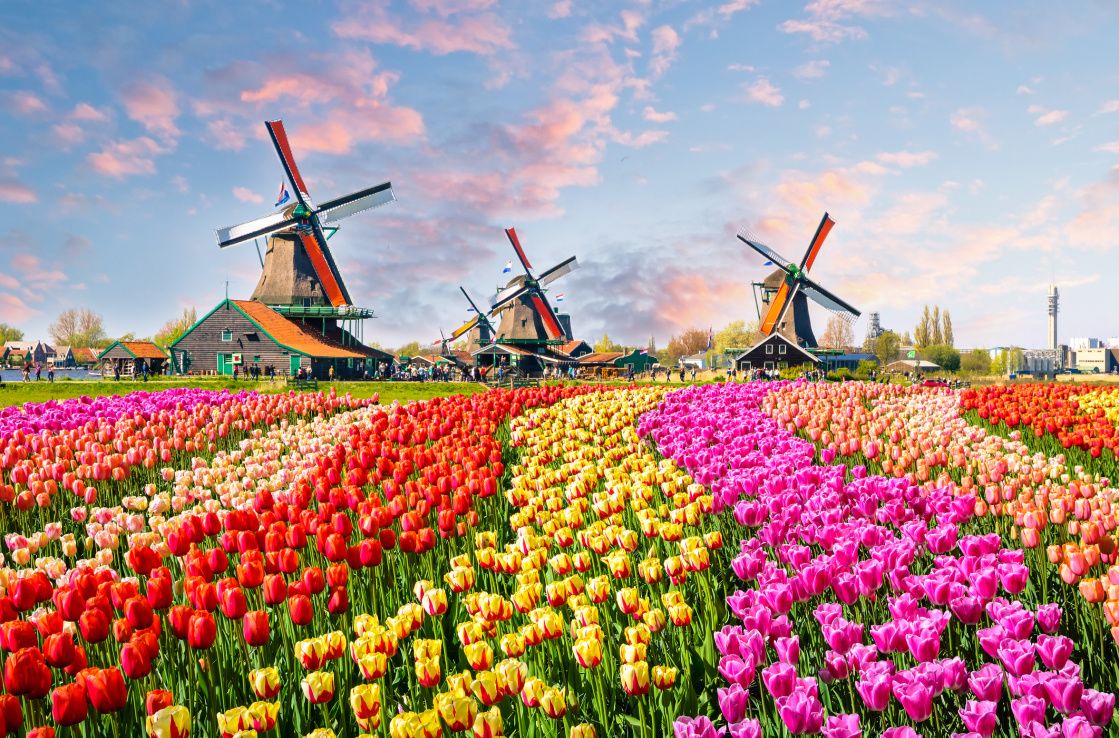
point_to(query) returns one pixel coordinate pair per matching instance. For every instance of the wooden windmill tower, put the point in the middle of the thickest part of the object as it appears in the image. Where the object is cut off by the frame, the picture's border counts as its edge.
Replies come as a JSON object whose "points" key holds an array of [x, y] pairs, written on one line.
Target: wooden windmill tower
{"points": [[527, 318], [786, 291], [300, 278]]}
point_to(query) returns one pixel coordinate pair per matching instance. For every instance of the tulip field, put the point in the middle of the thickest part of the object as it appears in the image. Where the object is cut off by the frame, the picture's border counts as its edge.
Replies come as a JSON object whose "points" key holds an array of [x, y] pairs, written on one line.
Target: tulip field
{"points": [[743, 560]]}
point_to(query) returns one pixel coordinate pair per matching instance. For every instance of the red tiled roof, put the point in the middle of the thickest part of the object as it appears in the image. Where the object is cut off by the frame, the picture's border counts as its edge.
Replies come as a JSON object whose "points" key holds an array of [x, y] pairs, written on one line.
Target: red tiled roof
{"points": [[570, 346], [605, 357], [289, 333], [84, 353], [143, 349]]}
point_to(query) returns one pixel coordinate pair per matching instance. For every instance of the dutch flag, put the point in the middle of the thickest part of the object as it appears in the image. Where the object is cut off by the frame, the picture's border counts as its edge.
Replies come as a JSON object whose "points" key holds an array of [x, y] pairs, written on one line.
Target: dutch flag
{"points": [[284, 196], [710, 339], [559, 297], [508, 267], [768, 264]]}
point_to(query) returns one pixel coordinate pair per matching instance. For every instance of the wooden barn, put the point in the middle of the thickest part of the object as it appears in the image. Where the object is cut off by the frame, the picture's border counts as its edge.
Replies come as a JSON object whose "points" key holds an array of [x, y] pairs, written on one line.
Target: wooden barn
{"points": [[253, 337], [772, 353], [130, 358]]}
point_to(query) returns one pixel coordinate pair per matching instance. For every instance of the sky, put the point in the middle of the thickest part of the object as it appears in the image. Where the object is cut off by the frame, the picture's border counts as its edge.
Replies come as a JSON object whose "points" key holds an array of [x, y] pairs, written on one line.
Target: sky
{"points": [[968, 152]]}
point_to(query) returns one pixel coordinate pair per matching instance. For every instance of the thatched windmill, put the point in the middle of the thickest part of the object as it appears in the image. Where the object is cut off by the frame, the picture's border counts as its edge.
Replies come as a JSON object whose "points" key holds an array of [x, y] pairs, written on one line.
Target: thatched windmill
{"points": [[788, 286]]}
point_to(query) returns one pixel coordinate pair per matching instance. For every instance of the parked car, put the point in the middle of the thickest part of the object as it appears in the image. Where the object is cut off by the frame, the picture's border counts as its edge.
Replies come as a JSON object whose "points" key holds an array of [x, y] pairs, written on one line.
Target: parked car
{"points": [[934, 383]]}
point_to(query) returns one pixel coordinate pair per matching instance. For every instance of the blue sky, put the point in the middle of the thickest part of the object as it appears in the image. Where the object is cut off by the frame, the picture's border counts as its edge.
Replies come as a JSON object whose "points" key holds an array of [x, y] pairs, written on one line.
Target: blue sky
{"points": [[969, 154]]}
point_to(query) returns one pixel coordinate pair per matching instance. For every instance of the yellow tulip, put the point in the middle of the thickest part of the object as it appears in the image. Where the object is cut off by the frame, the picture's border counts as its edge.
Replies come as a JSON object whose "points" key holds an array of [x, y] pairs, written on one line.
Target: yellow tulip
{"points": [[365, 701], [582, 730], [427, 648], [264, 715], [364, 623], [634, 678], [655, 620], [428, 671], [310, 653], [514, 674], [170, 722], [265, 682], [487, 687], [588, 652], [554, 703], [479, 655], [631, 653], [627, 600], [460, 684], [469, 632], [435, 602], [321, 733], [233, 720], [639, 633], [318, 687], [488, 724], [373, 665], [532, 692], [512, 644], [457, 712], [664, 676], [420, 588]]}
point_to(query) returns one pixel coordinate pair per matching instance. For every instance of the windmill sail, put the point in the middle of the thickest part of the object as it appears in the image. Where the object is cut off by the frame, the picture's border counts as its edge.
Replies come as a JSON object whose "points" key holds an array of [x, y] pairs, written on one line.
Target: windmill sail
{"points": [[559, 270], [767, 252], [822, 297]]}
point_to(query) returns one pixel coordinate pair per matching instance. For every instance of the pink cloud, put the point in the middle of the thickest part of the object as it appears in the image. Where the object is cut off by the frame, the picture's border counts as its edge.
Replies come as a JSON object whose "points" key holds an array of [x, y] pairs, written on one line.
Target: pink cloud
{"points": [[654, 116], [907, 159], [375, 121], [17, 192], [665, 43], [68, 134], [226, 134], [86, 112], [765, 92], [717, 15], [127, 157], [244, 194], [26, 103], [482, 33], [1047, 117], [447, 8], [560, 9], [15, 309], [812, 70], [640, 141], [153, 103]]}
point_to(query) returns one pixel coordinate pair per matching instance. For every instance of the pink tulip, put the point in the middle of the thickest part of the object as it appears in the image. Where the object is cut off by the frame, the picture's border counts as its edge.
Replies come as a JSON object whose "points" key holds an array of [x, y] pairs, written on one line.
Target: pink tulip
{"points": [[1065, 693], [1098, 707], [779, 679], [842, 726], [1017, 656], [980, 717], [1028, 710], [1054, 651], [801, 713]]}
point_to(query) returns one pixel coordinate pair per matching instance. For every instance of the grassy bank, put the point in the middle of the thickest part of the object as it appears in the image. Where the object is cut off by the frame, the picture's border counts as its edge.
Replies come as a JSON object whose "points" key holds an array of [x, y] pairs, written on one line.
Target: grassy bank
{"points": [[17, 393]]}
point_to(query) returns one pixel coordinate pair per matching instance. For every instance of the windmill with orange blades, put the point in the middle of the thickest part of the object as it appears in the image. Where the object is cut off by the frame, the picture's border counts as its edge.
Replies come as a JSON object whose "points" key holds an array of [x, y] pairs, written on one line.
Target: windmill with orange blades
{"points": [[789, 288], [526, 315]]}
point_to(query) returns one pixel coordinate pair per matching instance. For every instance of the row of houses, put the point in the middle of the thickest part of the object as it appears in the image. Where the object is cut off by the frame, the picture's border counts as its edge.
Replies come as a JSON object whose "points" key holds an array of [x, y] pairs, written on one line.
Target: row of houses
{"points": [[15, 353]]}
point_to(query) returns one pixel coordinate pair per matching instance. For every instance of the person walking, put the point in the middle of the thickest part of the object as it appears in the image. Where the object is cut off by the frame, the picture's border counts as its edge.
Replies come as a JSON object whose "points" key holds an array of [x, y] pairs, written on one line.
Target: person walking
{"points": [[38, 372], [144, 370], [50, 373], [330, 373], [26, 372]]}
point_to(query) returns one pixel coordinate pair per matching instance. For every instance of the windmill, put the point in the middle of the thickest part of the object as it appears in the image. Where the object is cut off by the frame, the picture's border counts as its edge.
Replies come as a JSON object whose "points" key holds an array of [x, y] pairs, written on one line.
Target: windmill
{"points": [[526, 315], [790, 287], [480, 322], [299, 270]]}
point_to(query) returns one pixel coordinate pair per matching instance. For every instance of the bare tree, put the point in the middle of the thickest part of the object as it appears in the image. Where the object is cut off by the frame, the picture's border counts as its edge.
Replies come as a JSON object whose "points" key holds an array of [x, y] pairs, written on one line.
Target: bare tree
{"points": [[691, 341], [78, 327], [838, 334]]}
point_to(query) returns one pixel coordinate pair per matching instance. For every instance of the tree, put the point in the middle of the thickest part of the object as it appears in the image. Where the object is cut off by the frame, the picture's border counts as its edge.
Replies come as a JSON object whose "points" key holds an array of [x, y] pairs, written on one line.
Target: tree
{"points": [[410, 349], [838, 334], [976, 361], [606, 345], [886, 347], [691, 341], [922, 333], [10, 333], [944, 356], [651, 347], [174, 329], [738, 334], [936, 336], [79, 327], [946, 331]]}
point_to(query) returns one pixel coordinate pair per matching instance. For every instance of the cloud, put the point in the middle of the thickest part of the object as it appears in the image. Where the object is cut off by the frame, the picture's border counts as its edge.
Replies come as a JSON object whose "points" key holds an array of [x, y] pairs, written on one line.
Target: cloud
{"points": [[765, 92], [665, 43], [1111, 147], [244, 194], [1025, 90], [68, 134], [26, 103], [75, 246], [812, 69], [1111, 106], [640, 141], [126, 157], [825, 21], [717, 15], [85, 112], [654, 116], [226, 135], [560, 9], [345, 96], [14, 309], [1047, 117], [970, 121], [907, 159], [153, 103], [17, 192], [465, 30]]}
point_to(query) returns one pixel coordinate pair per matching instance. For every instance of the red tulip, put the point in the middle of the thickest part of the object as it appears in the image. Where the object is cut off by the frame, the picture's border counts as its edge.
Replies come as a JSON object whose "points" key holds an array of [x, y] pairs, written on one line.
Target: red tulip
{"points": [[234, 604], [68, 704], [339, 601], [138, 612], [11, 713], [94, 626], [106, 689], [157, 699], [44, 731], [135, 661], [58, 649], [78, 663], [17, 634], [313, 580], [159, 593], [250, 574], [180, 618], [275, 589], [255, 628], [27, 673], [122, 631], [300, 609], [202, 631]]}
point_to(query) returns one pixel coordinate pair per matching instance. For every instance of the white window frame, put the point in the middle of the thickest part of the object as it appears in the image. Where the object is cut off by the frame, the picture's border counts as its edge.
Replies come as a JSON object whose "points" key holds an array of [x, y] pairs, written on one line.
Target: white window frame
{"points": [[782, 349], [769, 348], [227, 332]]}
